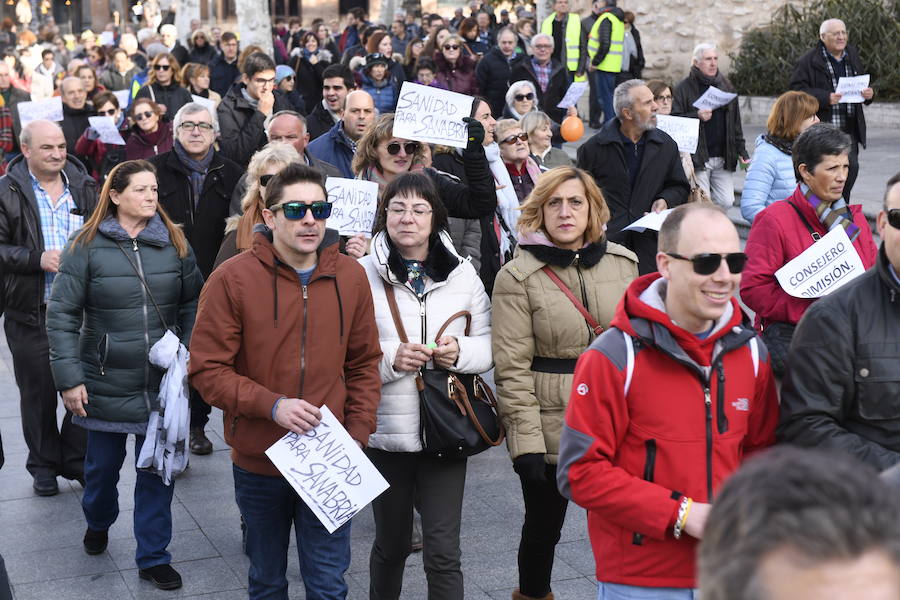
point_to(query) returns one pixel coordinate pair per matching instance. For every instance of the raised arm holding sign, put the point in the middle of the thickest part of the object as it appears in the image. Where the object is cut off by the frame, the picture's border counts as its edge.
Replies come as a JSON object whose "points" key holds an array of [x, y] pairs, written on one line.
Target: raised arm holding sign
{"points": [[431, 115], [106, 127]]}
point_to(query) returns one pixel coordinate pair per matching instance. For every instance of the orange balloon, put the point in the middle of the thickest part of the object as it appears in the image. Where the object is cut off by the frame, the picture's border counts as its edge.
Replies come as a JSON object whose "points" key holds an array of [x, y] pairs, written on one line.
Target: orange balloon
{"points": [[572, 129]]}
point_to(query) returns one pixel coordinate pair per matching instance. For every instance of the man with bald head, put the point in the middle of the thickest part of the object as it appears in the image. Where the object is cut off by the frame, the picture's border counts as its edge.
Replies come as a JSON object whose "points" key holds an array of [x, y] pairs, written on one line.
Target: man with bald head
{"points": [[76, 112], [339, 145], [44, 198], [817, 73]]}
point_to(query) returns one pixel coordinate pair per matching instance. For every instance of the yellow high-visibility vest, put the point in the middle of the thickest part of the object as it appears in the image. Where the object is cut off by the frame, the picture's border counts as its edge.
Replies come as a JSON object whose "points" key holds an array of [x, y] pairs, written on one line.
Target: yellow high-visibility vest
{"points": [[573, 38], [612, 62]]}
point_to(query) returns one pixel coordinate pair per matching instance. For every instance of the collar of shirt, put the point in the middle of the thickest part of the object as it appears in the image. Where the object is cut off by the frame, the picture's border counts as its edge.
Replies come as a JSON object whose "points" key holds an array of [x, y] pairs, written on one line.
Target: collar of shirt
{"points": [[36, 185]]}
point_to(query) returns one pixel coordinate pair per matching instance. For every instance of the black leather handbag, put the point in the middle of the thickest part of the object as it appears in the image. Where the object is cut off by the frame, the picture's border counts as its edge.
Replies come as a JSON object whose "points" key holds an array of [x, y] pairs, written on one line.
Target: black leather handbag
{"points": [[457, 412]]}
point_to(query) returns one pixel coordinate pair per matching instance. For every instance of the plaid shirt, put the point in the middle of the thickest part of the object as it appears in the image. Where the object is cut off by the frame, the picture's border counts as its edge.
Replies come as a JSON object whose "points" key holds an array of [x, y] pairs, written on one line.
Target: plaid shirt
{"points": [[542, 73], [57, 222], [840, 113]]}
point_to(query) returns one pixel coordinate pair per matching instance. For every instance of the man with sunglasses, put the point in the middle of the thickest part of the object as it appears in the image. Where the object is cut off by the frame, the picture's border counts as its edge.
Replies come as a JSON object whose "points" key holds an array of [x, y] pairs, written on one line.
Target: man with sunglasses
{"points": [[843, 392], [282, 330], [665, 405]]}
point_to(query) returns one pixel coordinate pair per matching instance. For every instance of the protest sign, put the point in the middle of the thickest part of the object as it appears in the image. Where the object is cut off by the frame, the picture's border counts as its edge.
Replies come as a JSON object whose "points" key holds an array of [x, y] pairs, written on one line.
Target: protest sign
{"points": [[209, 104], [106, 127], [354, 201], [713, 98], [432, 115], [48, 108], [573, 94], [124, 98], [651, 220], [107, 38], [328, 470], [822, 268], [683, 130], [850, 89]]}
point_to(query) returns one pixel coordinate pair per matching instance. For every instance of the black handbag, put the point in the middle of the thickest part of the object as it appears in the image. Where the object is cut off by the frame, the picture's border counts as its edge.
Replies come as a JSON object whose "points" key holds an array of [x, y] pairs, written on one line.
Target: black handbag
{"points": [[457, 412]]}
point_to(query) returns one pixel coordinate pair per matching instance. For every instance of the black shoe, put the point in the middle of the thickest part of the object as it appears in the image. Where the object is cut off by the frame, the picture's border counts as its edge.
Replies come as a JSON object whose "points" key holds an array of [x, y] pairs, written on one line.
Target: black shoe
{"points": [[75, 477], [95, 541], [45, 485], [200, 444], [163, 576]]}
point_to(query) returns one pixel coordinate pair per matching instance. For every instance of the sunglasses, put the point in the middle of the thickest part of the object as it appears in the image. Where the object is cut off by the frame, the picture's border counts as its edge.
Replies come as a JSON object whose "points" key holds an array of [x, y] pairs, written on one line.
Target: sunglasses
{"points": [[528, 96], [512, 139], [451, 47], [409, 147], [295, 210], [143, 115], [162, 67], [893, 216], [707, 263], [107, 113]]}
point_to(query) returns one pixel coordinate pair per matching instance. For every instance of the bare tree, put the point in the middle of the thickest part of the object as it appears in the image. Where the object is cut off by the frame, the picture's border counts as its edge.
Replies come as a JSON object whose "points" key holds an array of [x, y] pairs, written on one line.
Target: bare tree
{"points": [[255, 24]]}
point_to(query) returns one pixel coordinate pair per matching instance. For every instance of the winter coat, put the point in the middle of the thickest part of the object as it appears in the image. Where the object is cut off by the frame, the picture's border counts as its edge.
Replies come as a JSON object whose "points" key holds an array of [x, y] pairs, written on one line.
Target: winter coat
{"points": [[843, 395], [223, 75], [202, 219], [336, 148], [202, 56], [538, 333], [180, 53], [465, 233], [770, 179], [779, 236], [493, 74], [555, 157], [101, 321], [115, 81], [811, 76], [451, 285], [308, 80], [318, 121], [172, 96], [661, 176], [74, 124], [460, 79], [103, 157], [692, 412], [22, 240], [560, 79], [241, 125], [140, 145], [689, 90], [318, 342], [384, 93]]}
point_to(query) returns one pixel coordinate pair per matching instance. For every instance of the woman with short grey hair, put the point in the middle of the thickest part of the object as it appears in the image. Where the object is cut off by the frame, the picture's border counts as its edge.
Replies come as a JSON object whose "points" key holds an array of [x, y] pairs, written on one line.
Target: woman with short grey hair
{"points": [[539, 127]]}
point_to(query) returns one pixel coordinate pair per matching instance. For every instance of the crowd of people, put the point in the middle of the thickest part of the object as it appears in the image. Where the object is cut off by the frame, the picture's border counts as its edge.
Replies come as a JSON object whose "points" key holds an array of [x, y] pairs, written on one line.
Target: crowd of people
{"points": [[628, 377]]}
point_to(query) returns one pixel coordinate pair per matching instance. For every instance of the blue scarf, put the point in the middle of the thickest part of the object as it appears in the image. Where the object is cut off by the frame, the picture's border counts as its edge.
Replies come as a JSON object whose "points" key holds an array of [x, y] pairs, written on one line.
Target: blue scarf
{"points": [[197, 169]]}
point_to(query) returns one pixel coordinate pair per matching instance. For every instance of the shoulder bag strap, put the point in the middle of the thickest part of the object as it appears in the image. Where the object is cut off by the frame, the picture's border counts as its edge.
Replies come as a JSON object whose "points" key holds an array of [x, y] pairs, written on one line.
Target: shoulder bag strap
{"points": [[453, 317], [144, 283], [598, 329], [815, 234], [401, 331]]}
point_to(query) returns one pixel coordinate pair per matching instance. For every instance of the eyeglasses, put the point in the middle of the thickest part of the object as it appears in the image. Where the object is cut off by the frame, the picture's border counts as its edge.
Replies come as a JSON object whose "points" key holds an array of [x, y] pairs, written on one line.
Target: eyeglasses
{"points": [[260, 81], [295, 210], [162, 67], [143, 115], [521, 97], [707, 263], [451, 46], [543, 46], [107, 113], [664, 98], [191, 126], [512, 139], [409, 147], [416, 211], [893, 216]]}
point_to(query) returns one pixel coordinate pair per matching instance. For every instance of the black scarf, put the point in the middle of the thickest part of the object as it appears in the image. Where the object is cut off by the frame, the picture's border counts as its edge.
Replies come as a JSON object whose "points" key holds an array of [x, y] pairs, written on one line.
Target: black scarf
{"points": [[782, 144], [720, 81]]}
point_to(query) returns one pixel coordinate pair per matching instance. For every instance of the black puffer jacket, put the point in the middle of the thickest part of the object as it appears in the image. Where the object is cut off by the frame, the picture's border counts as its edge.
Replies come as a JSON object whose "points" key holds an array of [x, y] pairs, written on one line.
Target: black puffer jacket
{"points": [[21, 238], [172, 96], [493, 75], [844, 395], [241, 125], [101, 322]]}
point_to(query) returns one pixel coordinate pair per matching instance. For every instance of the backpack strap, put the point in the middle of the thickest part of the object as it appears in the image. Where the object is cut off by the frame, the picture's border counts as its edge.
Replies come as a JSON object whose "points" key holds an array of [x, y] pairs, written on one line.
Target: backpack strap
{"points": [[754, 355], [629, 360]]}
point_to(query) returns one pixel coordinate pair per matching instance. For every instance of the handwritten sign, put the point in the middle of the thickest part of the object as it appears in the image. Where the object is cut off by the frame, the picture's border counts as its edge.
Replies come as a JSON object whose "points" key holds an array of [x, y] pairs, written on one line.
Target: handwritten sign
{"points": [[210, 105], [713, 98], [432, 115], [822, 268], [355, 201], [48, 108], [106, 127], [124, 98], [651, 220], [573, 94], [328, 470], [850, 89], [683, 130]]}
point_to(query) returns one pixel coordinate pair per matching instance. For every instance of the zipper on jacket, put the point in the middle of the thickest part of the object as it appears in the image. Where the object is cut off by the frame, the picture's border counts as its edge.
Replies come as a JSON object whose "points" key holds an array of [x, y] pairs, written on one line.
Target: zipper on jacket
{"points": [[649, 468], [721, 417], [303, 339], [104, 342], [140, 266], [709, 442], [38, 238]]}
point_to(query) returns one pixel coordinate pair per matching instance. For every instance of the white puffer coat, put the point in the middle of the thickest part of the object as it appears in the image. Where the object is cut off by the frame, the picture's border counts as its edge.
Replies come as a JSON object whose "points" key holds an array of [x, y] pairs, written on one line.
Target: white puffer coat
{"points": [[398, 413]]}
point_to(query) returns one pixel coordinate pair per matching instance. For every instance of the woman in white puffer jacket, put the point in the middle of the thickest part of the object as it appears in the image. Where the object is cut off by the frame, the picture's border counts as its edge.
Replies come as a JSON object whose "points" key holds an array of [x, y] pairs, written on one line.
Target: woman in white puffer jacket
{"points": [[413, 253]]}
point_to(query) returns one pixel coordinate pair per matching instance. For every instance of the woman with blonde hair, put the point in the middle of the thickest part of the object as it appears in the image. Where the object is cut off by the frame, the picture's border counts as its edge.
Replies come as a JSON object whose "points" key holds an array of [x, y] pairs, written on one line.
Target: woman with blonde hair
{"points": [[164, 85], [564, 267], [455, 69]]}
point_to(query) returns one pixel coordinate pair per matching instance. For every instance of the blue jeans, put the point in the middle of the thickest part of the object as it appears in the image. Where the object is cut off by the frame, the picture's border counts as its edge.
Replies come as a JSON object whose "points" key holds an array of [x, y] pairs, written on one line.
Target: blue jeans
{"points": [[616, 591], [605, 84], [152, 498], [270, 506]]}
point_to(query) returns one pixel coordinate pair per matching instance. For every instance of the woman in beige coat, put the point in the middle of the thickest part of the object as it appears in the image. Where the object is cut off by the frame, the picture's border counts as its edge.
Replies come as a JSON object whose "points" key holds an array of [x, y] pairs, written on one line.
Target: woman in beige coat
{"points": [[539, 333]]}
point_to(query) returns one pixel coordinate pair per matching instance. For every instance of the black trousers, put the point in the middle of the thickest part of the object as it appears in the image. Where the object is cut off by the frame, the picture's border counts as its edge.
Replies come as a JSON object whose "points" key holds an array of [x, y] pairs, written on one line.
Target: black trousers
{"points": [[594, 112], [199, 409], [545, 513], [435, 486], [52, 450], [5, 591]]}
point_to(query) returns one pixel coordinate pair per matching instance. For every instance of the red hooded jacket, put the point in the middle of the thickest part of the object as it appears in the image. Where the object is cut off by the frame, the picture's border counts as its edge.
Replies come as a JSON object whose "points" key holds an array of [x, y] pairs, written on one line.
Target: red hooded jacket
{"points": [[694, 409]]}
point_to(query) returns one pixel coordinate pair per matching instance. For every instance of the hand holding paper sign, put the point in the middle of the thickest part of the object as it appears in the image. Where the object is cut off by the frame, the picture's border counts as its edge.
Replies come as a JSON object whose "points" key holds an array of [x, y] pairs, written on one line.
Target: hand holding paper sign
{"points": [[431, 115], [297, 415], [822, 268], [713, 98], [851, 88], [107, 130], [354, 202]]}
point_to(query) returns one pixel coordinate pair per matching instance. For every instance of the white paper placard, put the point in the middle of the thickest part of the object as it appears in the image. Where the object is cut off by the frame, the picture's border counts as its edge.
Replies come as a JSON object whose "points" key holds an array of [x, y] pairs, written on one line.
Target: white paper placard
{"points": [[850, 89], [713, 98], [651, 220], [107, 38], [48, 108], [355, 201], [329, 471], [822, 268], [432, 115], [683, 130], [106, 127], [124, 98], [573, 94], [209, 104]]}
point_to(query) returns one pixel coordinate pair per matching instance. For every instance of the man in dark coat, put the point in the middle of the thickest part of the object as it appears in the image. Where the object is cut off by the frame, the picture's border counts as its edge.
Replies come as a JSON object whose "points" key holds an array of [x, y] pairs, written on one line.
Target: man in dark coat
{"points": [[76, 112], [246, 106], [39, 209], [223, 70], [494, 70], [338, 146], [337, 82], [638, 168], [557, 82], [195, 184], [817, 73]]}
